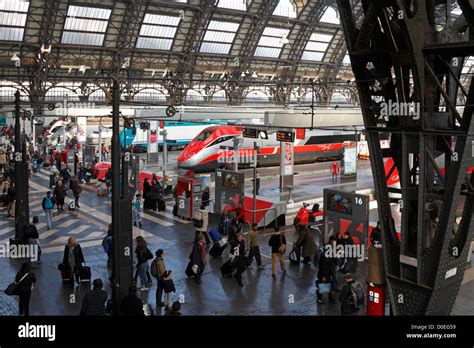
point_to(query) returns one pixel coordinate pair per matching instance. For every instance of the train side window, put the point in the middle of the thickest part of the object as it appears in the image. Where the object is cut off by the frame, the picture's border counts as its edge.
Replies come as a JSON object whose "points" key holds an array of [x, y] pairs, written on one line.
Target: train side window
{"points": [[220, 140]]}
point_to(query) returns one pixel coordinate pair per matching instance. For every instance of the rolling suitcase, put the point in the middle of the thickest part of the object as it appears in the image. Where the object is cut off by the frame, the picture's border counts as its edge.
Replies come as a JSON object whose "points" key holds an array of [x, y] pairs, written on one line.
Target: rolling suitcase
{"points": [[217, 250], [161, 205], [85, 274], [215, 235], [189, 270], [227, 269]]}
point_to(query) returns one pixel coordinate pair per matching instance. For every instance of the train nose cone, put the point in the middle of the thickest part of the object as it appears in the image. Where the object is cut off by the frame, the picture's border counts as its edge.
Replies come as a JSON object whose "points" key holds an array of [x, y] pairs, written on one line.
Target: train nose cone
{"points": [[185, 157]]}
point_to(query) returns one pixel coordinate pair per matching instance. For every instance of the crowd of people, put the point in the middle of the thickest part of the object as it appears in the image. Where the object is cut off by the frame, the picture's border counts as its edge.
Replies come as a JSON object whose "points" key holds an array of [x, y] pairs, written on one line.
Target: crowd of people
{"points": [[244, 248]]}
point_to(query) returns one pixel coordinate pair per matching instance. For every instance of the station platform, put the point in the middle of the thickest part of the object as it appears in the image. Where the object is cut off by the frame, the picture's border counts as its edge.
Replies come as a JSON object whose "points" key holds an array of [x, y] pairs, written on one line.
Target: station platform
{"points": [[290, 294]]}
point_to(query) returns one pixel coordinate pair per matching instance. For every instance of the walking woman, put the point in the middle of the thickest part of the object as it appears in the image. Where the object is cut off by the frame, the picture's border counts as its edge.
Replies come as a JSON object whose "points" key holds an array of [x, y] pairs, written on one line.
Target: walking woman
{"points": [[76, 190], [59, 194], [25, 279], [73, 259], [155, 193], [146, 194], [143, 255], [198, 257]]}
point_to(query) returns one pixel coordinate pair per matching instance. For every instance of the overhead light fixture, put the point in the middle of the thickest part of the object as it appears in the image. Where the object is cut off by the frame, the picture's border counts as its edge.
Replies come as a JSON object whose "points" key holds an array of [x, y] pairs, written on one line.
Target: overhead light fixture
{"points": [[263, 134], [69, 70], [82, 69], [254, 75], [153, 73], [165, 72], [223, 75], [243, 74], [284, 39], [126, 63], [15, 58], [43, 49]]}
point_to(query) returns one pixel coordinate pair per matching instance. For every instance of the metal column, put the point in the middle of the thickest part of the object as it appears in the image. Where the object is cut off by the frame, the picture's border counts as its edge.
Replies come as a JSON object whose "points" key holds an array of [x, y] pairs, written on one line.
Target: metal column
{"points": [[22, 215]]}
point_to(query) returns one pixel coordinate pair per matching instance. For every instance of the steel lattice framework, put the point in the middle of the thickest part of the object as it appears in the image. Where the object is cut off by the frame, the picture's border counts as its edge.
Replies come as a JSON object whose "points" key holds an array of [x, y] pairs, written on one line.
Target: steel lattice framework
{"points": [[412, 52], [44, 54]]}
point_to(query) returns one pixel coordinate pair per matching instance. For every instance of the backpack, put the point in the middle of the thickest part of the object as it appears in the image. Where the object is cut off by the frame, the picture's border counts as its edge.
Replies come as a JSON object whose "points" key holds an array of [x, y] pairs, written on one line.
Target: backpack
{"points": [[107, 244], [154, 270], [48, 203], [358, 294]]}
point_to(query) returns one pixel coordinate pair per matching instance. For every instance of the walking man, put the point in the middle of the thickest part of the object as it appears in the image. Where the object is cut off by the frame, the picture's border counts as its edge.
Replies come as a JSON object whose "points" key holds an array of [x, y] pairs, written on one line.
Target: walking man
{"points": [[48, 205]]}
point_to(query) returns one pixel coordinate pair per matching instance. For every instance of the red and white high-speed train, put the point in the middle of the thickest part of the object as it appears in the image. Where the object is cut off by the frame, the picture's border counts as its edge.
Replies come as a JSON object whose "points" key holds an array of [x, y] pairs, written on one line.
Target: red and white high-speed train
{"points": [[209, 149]]}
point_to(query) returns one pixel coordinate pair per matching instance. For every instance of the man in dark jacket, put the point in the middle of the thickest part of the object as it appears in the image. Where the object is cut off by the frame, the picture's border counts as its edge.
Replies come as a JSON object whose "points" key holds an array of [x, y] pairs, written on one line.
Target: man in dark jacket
{"points": [[348, 306], [132, 305], [324, 276], [278, 245], [305, 244], [94, 301]]}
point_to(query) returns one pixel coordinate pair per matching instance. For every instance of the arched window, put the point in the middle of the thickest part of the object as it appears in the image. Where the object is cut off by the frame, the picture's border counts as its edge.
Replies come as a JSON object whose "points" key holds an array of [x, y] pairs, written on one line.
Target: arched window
{"points": [[256, 97], [97, 96], [61, 94], [219, 96], [286, 8], [149, 95], [193, 96], [330, 16]]}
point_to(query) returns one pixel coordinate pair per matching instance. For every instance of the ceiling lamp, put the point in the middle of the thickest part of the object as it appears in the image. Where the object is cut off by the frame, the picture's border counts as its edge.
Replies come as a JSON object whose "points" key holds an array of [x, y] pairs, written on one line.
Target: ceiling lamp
{"points": [[284, 39], [15, 57], [165, 72], [254, 75], [243, 74], [82, 69]]}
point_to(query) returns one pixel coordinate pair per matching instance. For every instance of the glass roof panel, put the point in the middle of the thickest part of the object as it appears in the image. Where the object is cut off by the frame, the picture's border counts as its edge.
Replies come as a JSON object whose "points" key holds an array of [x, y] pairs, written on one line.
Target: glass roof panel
{"points": [[240, 5], [267, 52], [347, 59], [274, 38], [316, 47], [321, 37], [330, 16], [14, 5], [81, 38], [223, 26], [13, 15], [219, 37], [85, 25], [154, 43], [89, 12], [158, 31], [218, 48], [314, 56], [161, 19], [11, 34], [285, 8]]}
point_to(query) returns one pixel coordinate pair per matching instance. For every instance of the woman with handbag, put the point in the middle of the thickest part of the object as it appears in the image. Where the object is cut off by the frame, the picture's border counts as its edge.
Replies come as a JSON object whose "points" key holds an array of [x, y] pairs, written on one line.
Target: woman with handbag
{"points": [[143, 255], [201, 223], [72, 260], [24, 280], [278, 245]]}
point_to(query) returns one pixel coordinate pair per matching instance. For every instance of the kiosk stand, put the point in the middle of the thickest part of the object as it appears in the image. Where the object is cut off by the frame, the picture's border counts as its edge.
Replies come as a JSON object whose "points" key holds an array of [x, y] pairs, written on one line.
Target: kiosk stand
{"points": [[188, 196]]}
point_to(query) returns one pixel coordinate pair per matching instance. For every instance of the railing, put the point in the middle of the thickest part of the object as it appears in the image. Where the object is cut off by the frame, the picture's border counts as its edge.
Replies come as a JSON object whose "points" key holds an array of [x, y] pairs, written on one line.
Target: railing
{"points": [[254, 215]]}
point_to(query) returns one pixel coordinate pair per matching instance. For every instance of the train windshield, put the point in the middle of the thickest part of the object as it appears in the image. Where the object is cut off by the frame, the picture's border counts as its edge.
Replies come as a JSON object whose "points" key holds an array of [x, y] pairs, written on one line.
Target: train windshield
{"points": [[203, 135]]}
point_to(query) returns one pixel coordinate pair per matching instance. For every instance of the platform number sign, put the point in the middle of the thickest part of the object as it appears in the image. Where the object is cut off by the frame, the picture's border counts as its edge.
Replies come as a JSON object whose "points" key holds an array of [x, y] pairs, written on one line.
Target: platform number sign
{"points": [[358, 200], [18, 157]]}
